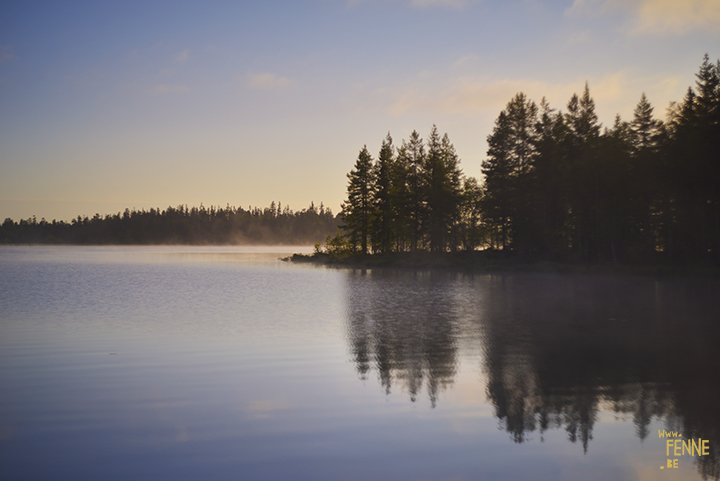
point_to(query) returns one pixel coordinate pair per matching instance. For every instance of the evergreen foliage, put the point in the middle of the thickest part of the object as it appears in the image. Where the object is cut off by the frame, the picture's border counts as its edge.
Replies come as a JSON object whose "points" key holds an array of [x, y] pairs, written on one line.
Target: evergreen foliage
{"points": [[358, 211], [558, 186], [181, 225], [637, 192], [413, 199], [383, 228]]}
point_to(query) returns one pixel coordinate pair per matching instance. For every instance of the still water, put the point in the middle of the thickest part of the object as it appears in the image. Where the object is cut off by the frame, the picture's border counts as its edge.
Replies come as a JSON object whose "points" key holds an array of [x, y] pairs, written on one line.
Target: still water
{"points": [[174, 363]]}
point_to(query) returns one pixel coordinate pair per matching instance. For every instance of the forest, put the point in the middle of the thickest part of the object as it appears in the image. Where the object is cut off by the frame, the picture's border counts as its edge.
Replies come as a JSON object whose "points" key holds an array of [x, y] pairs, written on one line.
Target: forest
{"points": [[558, 186], [273, 225]]}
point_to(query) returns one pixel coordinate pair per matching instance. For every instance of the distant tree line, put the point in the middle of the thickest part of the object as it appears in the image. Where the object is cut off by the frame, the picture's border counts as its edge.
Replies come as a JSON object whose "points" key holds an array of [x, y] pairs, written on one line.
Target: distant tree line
{"points": [[276, 224], [558, 186]]}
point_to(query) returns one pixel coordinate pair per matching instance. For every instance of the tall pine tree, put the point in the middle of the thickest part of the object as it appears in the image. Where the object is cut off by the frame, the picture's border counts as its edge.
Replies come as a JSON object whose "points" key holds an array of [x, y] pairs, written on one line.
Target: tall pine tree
{"points": [[359, 208], [384, 221]]}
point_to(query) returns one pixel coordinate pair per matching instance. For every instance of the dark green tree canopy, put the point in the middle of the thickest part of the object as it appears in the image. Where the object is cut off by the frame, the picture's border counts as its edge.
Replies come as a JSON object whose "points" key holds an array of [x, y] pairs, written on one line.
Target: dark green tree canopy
{"points": [[359, 209]]}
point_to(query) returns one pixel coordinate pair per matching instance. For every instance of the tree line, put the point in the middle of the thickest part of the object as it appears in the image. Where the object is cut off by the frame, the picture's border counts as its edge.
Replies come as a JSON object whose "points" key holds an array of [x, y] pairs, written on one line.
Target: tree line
{"points": [[558, 186], [414, 197], [276, 224]]}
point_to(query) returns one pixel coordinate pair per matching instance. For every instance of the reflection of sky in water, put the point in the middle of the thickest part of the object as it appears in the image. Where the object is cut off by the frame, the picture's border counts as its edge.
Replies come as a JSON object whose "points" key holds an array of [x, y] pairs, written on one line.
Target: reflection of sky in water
{"points": [[184, 365]]}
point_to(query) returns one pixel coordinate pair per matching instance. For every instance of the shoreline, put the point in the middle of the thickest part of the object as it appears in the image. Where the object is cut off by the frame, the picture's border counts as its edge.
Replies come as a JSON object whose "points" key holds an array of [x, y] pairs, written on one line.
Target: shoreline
{"points": [[481, 262]]}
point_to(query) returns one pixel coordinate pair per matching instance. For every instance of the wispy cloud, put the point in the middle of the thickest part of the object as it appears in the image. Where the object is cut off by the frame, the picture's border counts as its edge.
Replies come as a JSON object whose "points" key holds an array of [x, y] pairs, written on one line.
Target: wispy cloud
{"points": [[455, 4], [471, 95], [468, 95], [466, 61], [679, 16], [183, 56], [656, 16], [6, 54], [597, 7], [579, 37], [266, 80], [423, 4], [170, 89]]}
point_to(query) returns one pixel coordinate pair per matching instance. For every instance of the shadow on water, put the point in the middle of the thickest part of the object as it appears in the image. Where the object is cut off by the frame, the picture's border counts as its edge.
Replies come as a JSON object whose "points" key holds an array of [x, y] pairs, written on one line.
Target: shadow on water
{"points": [[558, 350]]}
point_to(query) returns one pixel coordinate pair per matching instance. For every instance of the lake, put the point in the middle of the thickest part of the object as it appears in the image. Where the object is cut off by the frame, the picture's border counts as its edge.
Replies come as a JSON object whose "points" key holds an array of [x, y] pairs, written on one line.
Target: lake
{"points": [[215, 363]]}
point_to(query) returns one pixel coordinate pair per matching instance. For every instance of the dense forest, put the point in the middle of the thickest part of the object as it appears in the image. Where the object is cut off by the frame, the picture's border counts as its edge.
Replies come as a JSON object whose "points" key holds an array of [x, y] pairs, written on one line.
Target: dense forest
{"points": [[558, 186], [181, 225]]}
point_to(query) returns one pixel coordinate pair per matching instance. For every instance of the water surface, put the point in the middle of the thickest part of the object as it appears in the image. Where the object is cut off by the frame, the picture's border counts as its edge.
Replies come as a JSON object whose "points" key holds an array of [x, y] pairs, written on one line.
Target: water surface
{"points": [[226, 363]]}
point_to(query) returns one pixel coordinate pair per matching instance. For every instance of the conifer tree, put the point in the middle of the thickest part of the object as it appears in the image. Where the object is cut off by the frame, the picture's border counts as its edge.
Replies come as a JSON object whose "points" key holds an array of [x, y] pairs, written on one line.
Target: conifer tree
{"points": [[510, 158], [442, 178], [645, 128], [583, 167], [400, 199], [359, 209], [551, 186], [384, 225], [414, 160], [470, 226]]}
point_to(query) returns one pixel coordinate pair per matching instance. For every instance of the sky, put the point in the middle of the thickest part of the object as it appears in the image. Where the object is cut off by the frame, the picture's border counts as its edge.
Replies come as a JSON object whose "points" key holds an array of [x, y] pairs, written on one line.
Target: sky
{"points": [[139, 104]]}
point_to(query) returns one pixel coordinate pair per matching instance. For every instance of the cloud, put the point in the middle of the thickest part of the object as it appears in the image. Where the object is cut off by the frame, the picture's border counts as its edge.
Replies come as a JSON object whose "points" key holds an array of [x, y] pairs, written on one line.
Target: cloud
{"points": [[168, 89], [678, 16], [470, 95], [616, 92], [455, 4], [267, 81], [579, 37], [183, 56], [6, 54], [597, 7], [656, 16], [423, 4], [466, 61]]}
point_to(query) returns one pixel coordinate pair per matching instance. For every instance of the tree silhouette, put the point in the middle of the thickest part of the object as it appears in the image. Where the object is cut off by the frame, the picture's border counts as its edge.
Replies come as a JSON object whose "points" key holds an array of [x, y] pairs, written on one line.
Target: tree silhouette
{"points": [[383, 232], [359, 209]]}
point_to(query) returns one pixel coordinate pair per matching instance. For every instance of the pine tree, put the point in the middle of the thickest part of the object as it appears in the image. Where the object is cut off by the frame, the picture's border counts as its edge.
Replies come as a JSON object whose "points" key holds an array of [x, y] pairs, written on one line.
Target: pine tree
{"points": [[471, 233], [582, 168], [400, 199], [442, 178], [694, 148], [581, 116], [510, 159], [645, 186], [645, 128], [414, 159], [551, 186], [358, 210], [499, 182], [384, 225]]}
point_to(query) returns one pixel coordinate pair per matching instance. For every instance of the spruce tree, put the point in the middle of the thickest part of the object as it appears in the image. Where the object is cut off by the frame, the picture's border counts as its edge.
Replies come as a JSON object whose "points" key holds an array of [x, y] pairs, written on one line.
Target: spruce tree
{"points": [[359, 209], [414, 158], [583, 166], [383, 224], [510, 159], [442, 178], [400, 199], [645, 128]]}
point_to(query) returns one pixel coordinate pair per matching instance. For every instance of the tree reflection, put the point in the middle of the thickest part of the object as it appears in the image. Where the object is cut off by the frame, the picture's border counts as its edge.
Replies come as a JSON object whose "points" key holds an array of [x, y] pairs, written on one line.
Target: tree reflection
{"points": [[404, 326], [558, 350]]}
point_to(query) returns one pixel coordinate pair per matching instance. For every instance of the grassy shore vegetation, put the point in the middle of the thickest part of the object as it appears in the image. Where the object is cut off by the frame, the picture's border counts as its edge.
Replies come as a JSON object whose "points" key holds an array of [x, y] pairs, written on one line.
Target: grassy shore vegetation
{"points": [[559, 189]]}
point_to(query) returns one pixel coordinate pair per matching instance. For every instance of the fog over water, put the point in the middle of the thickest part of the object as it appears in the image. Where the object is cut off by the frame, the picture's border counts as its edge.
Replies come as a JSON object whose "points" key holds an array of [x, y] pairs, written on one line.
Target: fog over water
{"points": [[227, 363]]}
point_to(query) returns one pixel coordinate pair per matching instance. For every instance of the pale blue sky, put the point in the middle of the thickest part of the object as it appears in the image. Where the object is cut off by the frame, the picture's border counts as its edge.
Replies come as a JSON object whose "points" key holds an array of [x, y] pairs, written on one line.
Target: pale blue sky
{"points": [[107, 105]]}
